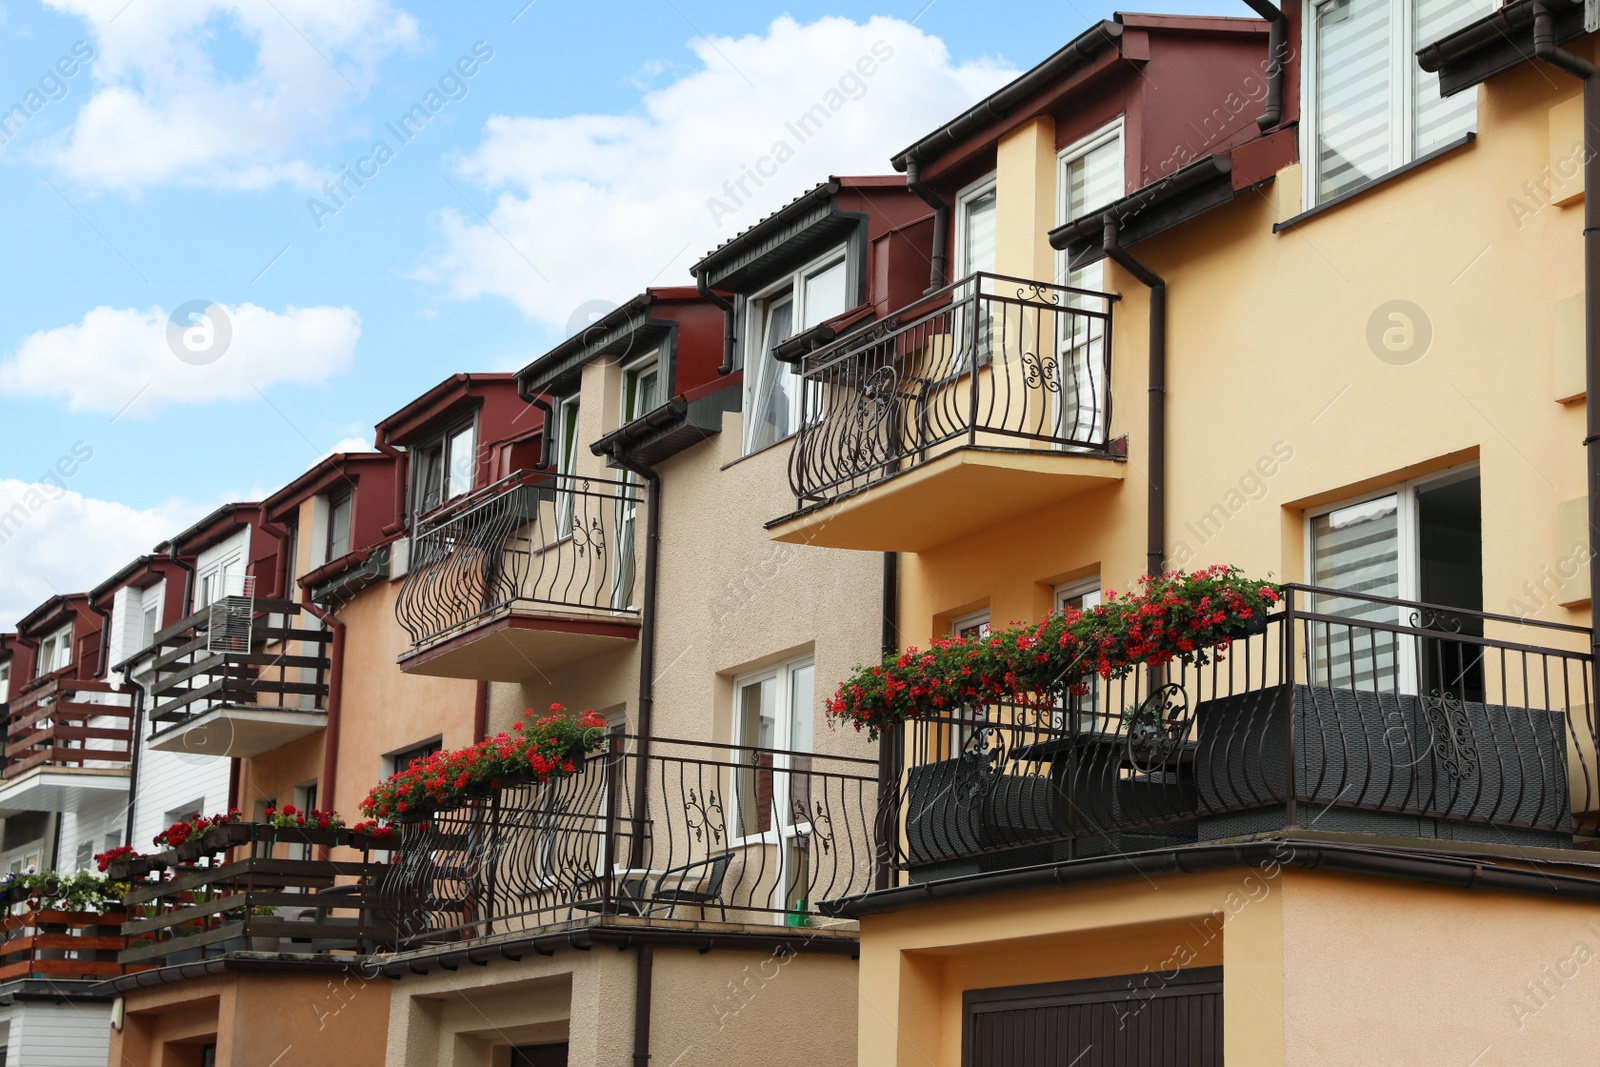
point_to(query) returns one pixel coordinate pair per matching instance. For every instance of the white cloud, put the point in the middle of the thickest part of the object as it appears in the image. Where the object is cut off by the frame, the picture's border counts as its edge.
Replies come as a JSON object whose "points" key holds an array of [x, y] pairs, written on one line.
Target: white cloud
{"points": [[602, 205], [162, 112], [55, 540], [118, 355]]}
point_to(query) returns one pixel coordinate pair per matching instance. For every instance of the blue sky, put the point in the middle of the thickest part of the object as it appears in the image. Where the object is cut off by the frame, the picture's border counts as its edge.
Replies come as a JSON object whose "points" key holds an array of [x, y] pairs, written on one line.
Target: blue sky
{"points": [[187, 159]]}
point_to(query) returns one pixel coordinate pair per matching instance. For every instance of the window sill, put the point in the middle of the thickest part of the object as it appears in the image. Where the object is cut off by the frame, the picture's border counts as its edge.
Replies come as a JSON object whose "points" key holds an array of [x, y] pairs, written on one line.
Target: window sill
{"points": [[1382, 179], [779, 443]]}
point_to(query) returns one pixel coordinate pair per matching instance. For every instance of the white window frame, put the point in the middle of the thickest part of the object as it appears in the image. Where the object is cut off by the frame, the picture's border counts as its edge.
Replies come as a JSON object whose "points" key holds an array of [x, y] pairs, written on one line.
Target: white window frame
{"points": [[5, 682], [987, 184], [54, 644], [972, 619], [1089, 590], [1111, 131], [218, 572], [793, 286], [630, 379], [1408, 535], [566, 442], [1402, 109], [782, 675]]}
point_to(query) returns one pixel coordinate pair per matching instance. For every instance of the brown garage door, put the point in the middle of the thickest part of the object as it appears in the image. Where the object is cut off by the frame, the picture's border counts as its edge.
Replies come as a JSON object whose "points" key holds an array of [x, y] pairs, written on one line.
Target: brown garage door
{"points": [[1134, 1020]]}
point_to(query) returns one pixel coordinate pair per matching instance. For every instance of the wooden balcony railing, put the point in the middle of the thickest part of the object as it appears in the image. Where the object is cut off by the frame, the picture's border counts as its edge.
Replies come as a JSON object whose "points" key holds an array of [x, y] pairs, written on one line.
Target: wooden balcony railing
{"points": [[50, 944], [50, 723], [987, 361], [718, 834], [249, 887], [1349, 713], [536, 541], [247, 652]]}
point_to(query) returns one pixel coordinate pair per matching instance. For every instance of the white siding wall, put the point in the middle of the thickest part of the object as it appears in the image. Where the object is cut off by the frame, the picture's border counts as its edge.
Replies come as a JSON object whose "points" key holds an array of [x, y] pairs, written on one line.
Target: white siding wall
{"points": [[71, 1034], [91, 824]]}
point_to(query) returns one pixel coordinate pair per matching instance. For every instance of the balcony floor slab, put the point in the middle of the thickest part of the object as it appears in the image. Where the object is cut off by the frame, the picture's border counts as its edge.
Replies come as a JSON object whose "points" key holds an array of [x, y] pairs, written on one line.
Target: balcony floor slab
{"points": [[517, 647], [958, 493], [60, 788], [239, 732]]}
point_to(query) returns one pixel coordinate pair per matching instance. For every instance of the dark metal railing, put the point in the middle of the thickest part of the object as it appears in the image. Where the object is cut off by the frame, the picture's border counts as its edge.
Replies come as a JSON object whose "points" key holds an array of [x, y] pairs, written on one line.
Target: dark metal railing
{"points": [[250, 652], [988, 361], [721, 833], [1346, 713], [536, 540], [61, 721]]}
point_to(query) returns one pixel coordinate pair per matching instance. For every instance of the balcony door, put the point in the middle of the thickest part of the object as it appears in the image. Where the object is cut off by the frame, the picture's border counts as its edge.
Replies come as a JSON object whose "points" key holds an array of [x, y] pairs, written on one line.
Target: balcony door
{"points": [[973, 323], [641, 394], [1091, 178], [771, 788], [1419, 541]]}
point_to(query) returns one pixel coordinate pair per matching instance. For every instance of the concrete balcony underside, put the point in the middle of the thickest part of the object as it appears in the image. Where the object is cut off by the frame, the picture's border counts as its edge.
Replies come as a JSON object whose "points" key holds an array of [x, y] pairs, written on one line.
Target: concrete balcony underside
{"points": [[238, 732], [515, 646], [963, 491], [61, 788]]}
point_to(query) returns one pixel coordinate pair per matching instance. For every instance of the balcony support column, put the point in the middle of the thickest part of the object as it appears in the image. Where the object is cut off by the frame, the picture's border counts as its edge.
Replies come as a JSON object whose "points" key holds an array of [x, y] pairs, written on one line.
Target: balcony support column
{"points": [[1546, 49], [1156, 525]]}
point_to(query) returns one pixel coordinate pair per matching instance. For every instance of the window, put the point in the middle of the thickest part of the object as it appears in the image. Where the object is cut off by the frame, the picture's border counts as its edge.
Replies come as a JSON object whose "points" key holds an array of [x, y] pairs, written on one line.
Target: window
{"points": [[1091, 178], [291, 560], [219, 580], [773, 711], [641, 387], [5, 682], [1081, 596], [181, 814], [399, 761], [975, 214], [113, 840], [971, 627], [55, 652], [149, 624], [339, 508], [567, 430], [1371, 108], [85, 856], [443, 468], [806, 298], [641, 393], [1421, 540]]}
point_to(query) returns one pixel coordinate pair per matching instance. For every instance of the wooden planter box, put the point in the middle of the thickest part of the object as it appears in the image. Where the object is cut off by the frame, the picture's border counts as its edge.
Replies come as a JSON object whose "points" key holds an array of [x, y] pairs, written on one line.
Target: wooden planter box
{"points": [[305, 835]]}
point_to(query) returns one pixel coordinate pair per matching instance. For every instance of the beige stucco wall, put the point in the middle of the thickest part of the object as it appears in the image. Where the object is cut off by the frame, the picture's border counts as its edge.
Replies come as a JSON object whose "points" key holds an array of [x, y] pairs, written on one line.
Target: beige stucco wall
{"points": [[322, 1019], [718, 1008]]}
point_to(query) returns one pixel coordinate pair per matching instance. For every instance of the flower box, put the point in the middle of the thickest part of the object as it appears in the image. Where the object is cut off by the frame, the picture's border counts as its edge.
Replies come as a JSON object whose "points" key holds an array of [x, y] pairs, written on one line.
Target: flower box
{"points": [[220, 838], [311, 835]]}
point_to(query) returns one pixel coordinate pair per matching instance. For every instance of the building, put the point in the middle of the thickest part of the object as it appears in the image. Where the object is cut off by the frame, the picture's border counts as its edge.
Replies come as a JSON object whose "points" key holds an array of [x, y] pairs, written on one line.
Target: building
{"points": [[1251, 861]]}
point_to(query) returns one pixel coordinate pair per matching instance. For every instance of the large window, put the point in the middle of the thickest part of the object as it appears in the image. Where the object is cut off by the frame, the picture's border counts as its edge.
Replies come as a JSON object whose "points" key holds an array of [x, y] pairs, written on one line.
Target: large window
{"points": [[223, 578], [55, 652], [800, 301], [1369, 107], [1091, 178], [443, 468], [1419, 541], [773, 710]]}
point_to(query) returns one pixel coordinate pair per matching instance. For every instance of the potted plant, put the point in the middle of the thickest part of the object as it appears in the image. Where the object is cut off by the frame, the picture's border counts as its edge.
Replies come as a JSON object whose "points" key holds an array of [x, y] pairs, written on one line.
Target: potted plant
{"points": [[312, 827]]}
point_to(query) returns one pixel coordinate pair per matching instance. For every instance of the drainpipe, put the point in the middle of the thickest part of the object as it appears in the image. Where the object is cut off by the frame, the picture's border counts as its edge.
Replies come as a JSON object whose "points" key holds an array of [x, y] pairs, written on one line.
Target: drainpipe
{"points": [[730, 338], [541, 402], [402, 467], [480, 712], [647, 647], [1277, 58], [941, 223], [1156, 534], [641, 1005], [135, 746], [888, 769], [188, 582], [330, 737], [103, 664], [1545, 47]]}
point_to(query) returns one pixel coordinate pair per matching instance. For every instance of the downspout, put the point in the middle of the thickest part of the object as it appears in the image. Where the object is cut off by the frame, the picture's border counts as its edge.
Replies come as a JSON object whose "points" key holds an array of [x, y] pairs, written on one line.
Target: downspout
{"points": [[730, 338], [647, 648], [330, 737], [1156, 531], [547, 430], [1277, 59], [135, 746], [888, 764], [641, 1004], [1544, 47], [941, 223], [402, 465], [188, 581], [102, 665], [480, 712]]}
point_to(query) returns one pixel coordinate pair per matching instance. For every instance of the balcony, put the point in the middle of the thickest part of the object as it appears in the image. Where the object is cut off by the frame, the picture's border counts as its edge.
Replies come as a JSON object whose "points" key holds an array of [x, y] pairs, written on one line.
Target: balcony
{"points": [[238, 678], [68, 742], [530, 573], [1350, 715], [993, 391], [47, 944], [249, 887], [693, 833]]}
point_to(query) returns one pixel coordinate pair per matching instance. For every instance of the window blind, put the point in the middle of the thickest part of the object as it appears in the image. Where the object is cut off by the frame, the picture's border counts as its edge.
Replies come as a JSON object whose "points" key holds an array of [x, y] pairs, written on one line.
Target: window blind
{"points": [[1438, 119], [1354, 92], [979, 233], [1356, 549]]}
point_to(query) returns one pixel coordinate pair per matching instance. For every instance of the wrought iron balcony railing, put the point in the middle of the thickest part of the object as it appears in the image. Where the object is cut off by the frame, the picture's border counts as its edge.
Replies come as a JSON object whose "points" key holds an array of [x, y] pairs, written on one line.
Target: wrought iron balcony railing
{"points": [[534, 541], [60, 721], [240, 652], [718, 833], [988, 361], [1350, 713]]}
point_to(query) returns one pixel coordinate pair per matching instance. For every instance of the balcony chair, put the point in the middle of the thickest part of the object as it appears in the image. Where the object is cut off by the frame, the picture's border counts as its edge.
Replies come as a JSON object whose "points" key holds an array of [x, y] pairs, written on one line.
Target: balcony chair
{"points": [[668, 897]]}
